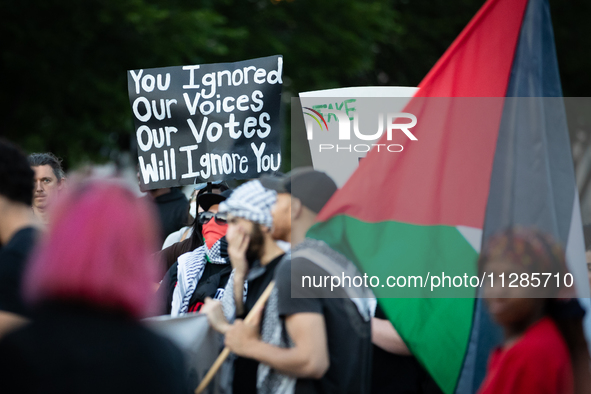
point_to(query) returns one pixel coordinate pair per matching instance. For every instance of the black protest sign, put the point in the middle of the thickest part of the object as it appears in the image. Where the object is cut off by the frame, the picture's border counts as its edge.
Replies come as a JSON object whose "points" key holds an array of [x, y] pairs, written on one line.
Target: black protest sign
{"points": [[206, 122]]}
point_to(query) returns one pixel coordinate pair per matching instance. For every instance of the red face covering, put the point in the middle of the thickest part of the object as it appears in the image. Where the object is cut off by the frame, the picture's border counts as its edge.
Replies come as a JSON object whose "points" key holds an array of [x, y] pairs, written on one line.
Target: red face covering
{"points": [[212, 232]]}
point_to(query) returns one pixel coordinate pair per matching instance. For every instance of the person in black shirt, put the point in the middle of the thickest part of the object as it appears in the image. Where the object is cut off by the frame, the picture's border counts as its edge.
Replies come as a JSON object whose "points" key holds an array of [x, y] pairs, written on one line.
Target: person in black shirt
{"points": [[257, 279], [17, 230], [343, 328], [254, 255], [329, 345]]}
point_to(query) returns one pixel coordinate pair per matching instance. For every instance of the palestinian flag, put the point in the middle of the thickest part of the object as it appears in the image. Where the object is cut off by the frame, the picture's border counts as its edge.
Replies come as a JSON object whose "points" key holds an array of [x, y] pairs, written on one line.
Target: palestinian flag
{"points": [[485, 159]]}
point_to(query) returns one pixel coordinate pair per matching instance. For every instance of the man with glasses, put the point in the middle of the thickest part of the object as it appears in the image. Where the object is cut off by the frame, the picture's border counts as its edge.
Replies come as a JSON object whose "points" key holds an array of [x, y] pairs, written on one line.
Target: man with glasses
{"points": [[204, 271]]}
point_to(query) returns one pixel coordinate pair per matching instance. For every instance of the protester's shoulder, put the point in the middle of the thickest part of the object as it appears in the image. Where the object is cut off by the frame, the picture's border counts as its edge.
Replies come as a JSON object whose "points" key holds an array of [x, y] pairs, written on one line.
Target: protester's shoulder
{"points": [[283, 269], [174, 237], [177, 195], [26, 234], [294, 265], [537, 361], [306, 265], [542, 346], [174, 197], [22, 241], [180, 193], [288, 305], [543, 338], [308, 255], [13, 258], [170, 254]]}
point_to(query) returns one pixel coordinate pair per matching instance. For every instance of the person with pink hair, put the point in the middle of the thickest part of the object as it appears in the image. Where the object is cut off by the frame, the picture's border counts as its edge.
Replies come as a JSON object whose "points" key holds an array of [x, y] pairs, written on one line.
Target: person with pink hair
{"points": [[89, 281]]}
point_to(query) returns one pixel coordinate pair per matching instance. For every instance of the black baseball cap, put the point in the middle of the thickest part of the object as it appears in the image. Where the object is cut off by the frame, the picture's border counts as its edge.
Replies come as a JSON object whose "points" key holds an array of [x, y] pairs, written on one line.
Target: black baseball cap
{"points": [[275, 182], [206, 200], [313, 188]]}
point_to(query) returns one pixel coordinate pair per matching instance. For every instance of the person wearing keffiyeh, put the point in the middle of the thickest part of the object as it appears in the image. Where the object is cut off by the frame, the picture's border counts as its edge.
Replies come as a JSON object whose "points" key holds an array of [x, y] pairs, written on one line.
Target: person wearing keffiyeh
{"points": [[322, 344], [203, 272], [254, 256]]}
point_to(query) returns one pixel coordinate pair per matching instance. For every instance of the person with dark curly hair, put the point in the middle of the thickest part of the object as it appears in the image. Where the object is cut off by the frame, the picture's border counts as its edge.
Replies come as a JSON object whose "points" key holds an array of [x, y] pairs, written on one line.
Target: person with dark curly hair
{"points": [[544, 350]]}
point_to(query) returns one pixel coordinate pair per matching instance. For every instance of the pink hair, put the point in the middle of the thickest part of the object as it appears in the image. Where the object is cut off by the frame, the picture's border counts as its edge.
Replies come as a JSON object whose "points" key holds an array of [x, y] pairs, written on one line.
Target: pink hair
{"points": [[98, 250]]}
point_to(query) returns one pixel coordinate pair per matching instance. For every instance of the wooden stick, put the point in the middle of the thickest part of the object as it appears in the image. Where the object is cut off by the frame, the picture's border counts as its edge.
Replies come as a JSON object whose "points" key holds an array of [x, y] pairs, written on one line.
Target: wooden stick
{"points": [[226, 352]]}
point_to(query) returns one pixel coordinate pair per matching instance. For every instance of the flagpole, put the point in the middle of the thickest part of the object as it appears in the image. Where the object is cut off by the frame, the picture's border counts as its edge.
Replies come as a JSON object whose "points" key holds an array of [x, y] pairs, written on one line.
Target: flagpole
{"points": [[226, 352]]}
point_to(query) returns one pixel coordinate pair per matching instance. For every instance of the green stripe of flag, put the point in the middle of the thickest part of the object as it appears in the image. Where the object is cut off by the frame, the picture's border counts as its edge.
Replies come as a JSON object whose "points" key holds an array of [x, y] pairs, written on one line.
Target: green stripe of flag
{"points": [[436, 329]]}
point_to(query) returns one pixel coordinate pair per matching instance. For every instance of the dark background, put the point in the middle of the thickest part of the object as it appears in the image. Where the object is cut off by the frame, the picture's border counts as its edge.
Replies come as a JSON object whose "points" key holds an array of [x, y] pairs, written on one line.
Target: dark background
{"points": [[64, 63]]}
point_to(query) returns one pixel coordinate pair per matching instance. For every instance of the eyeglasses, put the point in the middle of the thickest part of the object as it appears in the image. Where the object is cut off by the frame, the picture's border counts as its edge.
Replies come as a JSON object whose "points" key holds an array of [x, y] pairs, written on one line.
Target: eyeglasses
{"points": [[220, 218]]}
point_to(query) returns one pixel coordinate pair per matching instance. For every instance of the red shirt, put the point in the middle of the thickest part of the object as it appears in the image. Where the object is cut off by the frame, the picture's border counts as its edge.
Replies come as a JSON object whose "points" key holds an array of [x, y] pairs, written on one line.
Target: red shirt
{"points": [[538, 362]]}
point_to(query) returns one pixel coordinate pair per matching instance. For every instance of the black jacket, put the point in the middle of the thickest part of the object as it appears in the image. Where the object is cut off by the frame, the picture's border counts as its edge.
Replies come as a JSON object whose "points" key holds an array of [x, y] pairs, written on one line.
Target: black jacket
{"points": [[78, 349]]}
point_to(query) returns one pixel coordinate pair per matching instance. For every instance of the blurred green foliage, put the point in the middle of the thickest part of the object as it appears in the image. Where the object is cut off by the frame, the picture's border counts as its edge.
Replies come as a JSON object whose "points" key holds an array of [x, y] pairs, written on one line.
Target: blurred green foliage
{"points": [[64, 62]]}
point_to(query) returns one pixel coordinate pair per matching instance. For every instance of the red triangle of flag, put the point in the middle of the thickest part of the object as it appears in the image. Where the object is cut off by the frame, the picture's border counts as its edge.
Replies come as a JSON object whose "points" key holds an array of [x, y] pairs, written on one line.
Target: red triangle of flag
{"points": [[443, 178]]}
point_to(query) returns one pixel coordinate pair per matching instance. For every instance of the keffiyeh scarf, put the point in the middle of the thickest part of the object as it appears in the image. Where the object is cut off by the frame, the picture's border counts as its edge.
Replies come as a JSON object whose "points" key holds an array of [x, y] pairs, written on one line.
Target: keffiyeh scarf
{"points": [[190, 270]]}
